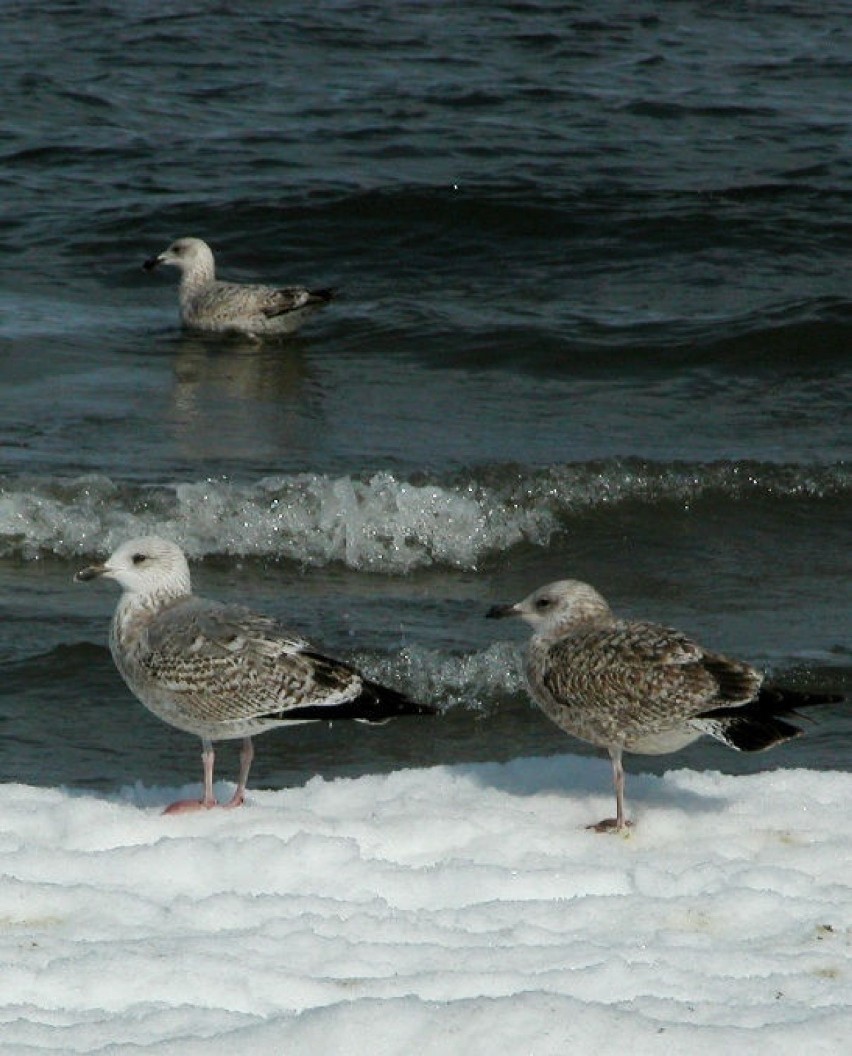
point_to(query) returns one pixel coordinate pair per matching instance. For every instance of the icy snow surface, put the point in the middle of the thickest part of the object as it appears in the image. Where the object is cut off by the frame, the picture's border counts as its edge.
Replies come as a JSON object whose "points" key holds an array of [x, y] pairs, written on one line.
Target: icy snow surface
{"points": [[449, 910]]}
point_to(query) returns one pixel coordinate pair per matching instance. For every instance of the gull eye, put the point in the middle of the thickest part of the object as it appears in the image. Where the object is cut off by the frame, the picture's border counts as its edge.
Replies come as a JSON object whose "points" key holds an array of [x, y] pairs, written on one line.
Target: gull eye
{"points": [[139, 559], [542, 604]]}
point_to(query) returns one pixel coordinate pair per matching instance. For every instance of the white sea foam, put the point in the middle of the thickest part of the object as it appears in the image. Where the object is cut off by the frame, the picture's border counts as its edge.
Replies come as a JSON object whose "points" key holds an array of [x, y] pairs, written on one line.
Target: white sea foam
{"points": [[380, 524], [455, 909], [462, 680], [383, 522]]}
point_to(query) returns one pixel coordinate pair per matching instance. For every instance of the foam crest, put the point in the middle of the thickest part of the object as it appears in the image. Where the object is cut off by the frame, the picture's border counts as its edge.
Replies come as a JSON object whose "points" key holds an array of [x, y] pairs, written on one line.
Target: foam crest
{"points": [[472, 681], [378, 523]]}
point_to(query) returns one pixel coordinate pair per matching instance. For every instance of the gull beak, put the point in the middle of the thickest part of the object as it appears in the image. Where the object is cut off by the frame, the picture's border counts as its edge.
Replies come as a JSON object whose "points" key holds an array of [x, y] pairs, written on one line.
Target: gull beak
{"points": [[151, 263], [497, 612], [91, 572]]}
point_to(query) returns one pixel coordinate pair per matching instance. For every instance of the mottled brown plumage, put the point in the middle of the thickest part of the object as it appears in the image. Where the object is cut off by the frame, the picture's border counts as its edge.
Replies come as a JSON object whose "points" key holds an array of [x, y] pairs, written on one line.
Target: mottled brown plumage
{"points": [[222, 671], [641, 687], [653, 678], [208, 304]]}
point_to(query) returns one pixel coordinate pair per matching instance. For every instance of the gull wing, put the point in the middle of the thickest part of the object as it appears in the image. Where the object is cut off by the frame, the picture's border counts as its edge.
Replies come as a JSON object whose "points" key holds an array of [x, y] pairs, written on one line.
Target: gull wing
{"points": [[641, 676], [291, 299], [232, 663]]}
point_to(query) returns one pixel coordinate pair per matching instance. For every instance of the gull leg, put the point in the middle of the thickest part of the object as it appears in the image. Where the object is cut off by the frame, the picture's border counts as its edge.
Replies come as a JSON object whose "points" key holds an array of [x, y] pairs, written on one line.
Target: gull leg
{"points": [[185, 806], [246, 756], [618, 823], [207, 759], [618, 781]]}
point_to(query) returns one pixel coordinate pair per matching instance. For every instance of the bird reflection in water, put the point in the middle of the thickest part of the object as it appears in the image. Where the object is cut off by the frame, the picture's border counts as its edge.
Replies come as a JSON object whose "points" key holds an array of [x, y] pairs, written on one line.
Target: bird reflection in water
{"points": [[236, 399]]}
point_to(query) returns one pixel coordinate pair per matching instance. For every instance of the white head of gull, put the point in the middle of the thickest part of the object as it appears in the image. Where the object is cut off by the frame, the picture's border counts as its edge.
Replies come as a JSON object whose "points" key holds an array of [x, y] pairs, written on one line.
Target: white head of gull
{"points": [[212, 306], [221, 671], [642, 687]]}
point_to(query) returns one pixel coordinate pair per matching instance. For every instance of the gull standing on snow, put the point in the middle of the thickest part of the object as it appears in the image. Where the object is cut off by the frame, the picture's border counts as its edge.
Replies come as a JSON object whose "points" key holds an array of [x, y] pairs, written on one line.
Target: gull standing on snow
{"points": [[209, 305], [221, 671], [642, 687]]}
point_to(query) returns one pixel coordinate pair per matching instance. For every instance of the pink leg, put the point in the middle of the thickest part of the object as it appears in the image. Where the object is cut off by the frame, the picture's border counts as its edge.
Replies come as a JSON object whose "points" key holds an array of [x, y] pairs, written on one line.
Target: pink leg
{"points": [[618, 823], [246, 756], [185, 806]]}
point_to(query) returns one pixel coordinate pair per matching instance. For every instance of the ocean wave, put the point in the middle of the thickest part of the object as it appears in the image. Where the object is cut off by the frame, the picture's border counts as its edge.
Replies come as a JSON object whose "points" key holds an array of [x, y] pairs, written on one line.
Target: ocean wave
{"points": [[472, 681], [378, 523]]}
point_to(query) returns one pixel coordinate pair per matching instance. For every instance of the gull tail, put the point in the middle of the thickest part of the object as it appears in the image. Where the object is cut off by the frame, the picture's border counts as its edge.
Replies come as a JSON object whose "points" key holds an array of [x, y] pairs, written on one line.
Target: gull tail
{"points": [[378, 703], [371, 702], [296, 299], [757, 725], [374, 704]]}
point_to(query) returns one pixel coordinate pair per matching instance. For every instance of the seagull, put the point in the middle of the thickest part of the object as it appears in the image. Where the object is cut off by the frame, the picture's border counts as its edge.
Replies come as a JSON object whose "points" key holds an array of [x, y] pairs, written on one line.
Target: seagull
{"points": [[206, 304], [221, 671], [642, 687]]}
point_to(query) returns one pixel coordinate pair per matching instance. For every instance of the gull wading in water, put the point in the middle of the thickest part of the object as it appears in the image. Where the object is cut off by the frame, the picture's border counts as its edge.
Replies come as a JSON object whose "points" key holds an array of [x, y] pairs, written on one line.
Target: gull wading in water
{"points": [[221, 671], [209, 305], [642, 687]]}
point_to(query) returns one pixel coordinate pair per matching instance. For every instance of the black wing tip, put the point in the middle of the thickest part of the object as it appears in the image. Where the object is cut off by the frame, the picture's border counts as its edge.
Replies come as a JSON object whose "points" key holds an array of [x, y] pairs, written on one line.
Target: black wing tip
{"points": [[781, 700], [315, 299], [388, 703], [758, 725], [774, 700], [375, 704]]}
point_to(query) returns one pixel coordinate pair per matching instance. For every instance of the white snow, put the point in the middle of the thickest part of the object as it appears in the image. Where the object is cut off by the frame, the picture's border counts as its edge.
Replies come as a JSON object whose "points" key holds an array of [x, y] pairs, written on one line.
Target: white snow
{"points": [[450, 910]]}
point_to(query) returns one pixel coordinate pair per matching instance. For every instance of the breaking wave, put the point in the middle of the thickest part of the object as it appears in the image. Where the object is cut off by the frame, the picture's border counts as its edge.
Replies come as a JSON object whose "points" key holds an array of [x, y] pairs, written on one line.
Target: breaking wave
{"points": [[377, 522]]}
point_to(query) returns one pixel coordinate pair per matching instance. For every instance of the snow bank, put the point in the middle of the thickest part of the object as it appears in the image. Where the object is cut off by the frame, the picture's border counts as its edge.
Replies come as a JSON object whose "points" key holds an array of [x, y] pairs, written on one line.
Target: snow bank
{"points": [[450, 910]]}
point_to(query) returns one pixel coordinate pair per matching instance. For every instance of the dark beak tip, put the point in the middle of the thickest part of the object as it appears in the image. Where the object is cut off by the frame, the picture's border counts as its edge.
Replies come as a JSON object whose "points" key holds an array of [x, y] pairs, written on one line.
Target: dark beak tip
{"points": [[150, 263], [497, 612], [87, 574]]}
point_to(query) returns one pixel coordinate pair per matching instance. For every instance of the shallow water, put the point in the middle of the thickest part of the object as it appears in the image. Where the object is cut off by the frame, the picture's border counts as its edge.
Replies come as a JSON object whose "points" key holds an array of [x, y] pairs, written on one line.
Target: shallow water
{"points": [[593, 321]]}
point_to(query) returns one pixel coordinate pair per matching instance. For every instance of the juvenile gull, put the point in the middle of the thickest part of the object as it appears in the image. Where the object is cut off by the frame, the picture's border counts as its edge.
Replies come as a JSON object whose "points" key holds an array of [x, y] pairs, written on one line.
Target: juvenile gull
{"points": [[221, 671], [229, 307], [642, 687]]}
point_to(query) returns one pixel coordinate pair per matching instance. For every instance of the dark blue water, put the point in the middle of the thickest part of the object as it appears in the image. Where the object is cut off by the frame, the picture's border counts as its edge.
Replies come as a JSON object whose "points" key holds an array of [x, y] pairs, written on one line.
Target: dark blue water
{"points": [[593, 321]]}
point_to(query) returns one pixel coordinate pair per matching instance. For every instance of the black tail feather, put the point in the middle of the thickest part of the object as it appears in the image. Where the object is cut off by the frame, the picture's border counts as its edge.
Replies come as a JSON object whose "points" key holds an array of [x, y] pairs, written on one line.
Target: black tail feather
{"points": [[375, 703], [749, 733], [315, 299], [756, 726]]}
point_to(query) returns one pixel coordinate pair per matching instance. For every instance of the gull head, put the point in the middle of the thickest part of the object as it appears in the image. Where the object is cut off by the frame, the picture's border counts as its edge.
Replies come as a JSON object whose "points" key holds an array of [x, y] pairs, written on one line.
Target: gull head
{"points": [[150, 567], [557, 607], [187, 255]]}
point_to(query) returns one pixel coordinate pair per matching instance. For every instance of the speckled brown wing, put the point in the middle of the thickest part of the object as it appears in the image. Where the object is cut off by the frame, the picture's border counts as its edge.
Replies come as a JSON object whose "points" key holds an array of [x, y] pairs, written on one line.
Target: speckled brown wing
{"points": [[233, 300], [631, 679], [227, 663], [283, 300]]}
